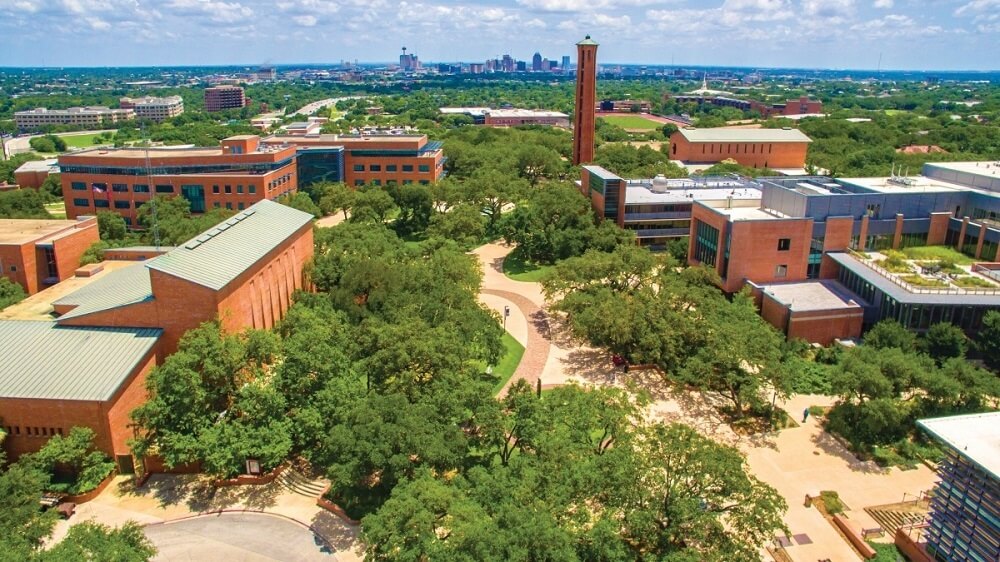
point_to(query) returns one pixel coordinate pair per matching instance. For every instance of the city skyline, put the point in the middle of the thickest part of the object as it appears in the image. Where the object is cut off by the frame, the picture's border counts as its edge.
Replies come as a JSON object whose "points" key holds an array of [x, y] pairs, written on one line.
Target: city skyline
{"points": [[836, 34]]}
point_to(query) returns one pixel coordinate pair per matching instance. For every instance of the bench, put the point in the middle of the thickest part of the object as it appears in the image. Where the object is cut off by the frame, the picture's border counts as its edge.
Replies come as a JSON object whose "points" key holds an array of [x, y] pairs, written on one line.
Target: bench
{"points": [[853, 534], [878, 531]]}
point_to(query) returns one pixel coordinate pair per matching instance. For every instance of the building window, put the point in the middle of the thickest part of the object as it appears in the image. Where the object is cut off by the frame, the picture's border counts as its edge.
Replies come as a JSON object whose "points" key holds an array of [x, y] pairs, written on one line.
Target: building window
{"points": [[229, 206], [215, 189], [407, 167], [78, 186], [229, 189], [424, 168], [215, 205], [81, 202], [359, 182], [407, 182], [706, 244], [121, 204], [119, 187], [239, 205], [251, 189], [140, 188], [359, 167], [164, 189], [425, 182], [101, 203], [784, 244], [375, 168], [239, 188], [390, 167], [780, 271]]}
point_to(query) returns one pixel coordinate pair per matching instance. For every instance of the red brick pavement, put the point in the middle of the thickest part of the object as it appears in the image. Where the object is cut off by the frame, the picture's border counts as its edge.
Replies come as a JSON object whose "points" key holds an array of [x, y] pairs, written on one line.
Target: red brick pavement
{"points": [[536, 353]]}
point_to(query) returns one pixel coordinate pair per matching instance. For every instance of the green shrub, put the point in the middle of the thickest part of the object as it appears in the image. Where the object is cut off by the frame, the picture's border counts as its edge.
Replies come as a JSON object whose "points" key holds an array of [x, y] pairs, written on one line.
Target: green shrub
{"points": [[831, 500], [809, 377], [817, 411]]}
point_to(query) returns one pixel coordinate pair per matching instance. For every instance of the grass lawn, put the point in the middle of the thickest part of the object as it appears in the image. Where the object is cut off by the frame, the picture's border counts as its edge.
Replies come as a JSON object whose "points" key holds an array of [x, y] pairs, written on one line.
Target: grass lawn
{"points": [[80, 141], [509, 362], [515, 267], [57, 210], [632, 122], [413, 240], [938, 253], [894, 111]]}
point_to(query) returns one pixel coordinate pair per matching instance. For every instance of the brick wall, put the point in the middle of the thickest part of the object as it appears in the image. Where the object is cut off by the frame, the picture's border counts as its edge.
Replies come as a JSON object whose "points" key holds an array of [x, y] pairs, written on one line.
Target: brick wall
{"points": [[824, 326], [130, 396], [25, 417], [754, 155], [754, 253]]}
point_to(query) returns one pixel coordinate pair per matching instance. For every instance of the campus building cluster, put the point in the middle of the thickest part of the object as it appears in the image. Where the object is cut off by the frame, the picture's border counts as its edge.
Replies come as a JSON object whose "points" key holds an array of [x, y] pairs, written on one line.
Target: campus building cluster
{"points": [[154, 108], [964, 521], [243, 170], [802, 244], [83, 361], [509, 117], [791, 108], [91, 116]]}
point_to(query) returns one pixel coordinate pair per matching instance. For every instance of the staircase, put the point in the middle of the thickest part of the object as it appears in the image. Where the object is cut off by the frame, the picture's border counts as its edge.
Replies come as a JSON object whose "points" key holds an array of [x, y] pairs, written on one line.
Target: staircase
{"points": [[294, 480], [895, 515]]}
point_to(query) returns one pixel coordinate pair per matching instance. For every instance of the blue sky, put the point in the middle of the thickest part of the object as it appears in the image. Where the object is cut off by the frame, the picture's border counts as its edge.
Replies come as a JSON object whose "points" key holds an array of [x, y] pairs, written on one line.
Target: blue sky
{"points": [[910, 34]]}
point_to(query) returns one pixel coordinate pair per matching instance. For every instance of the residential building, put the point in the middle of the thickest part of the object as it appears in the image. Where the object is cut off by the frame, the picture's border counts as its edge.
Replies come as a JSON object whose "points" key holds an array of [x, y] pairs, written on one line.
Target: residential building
{"points": [[964, 522], [38, 253], [360, 159], [586, 95], [154, 108], [816, 228], [235, 175], [218, 98], [88, 367], [92, 116], [756, 148]]}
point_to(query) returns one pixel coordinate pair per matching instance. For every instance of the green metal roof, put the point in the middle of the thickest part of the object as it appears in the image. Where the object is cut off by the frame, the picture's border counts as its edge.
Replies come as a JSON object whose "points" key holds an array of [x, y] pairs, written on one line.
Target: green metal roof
{"points": [[588, 41], [217, 256], [121, 287], [41, 360]]}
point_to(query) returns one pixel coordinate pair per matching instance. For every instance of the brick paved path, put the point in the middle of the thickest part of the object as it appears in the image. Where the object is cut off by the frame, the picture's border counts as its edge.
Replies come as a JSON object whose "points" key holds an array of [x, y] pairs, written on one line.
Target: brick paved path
{"points": [[536, 352]]}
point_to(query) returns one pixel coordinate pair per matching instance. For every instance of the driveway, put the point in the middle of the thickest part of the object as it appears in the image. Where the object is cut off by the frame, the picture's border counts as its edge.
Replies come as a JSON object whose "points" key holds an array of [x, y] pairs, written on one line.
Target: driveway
{"points": [[243, 537]]}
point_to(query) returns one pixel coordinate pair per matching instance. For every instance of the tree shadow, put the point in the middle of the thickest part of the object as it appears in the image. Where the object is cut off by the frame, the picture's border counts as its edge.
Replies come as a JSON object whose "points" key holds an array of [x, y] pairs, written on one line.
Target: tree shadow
{"points": [[591, 366], [257, 497], [167, 489], [829, 445], [703, 411], [336, 533]]}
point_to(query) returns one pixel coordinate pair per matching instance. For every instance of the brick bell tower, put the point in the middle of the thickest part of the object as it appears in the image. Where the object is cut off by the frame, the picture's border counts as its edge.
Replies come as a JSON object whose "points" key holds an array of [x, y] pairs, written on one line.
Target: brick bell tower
{"points": [[586, 99]]}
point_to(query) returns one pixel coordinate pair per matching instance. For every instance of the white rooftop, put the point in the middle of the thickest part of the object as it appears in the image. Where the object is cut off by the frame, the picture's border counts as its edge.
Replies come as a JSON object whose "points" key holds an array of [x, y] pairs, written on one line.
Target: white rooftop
{"points": [[987, 169], [974, 436], [637, 194], [746, 214], [524, 113], [913, 184], [735, 134]]}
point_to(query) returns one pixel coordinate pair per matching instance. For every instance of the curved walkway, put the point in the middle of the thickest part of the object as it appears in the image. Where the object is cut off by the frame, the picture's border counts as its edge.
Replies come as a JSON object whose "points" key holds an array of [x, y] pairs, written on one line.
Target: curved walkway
{"points": [[536, 351]]}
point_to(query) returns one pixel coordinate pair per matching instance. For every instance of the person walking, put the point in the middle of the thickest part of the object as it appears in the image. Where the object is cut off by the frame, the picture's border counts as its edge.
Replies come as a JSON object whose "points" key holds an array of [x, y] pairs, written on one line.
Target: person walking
{"points": [[805, 415]]}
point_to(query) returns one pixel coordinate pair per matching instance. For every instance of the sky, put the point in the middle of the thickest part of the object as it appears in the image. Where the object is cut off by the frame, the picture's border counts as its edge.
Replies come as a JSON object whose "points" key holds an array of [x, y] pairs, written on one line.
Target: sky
{"points": [[851, 34]]}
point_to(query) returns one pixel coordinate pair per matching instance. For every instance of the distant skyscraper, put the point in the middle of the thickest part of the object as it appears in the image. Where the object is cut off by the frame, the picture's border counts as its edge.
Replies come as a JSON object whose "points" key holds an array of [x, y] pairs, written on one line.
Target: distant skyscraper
{"points": [[536, 62], [522, 66], [586, 97], [508, 63], [408, 62], [565, 63]]}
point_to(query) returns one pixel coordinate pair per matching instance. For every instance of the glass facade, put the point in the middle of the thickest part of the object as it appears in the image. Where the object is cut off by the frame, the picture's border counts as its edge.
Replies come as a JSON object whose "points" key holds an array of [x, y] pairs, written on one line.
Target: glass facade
{"points": [[250, 168], [965, 513], [318, 165], [815, 258], [706, 243]]}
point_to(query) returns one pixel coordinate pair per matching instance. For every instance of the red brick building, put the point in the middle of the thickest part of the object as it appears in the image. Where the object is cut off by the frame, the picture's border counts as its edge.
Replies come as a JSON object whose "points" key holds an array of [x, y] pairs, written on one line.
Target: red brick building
{"points": [[218, 98], [235, 175], [54, 378], [584, 119], [88, 368], [39, 253], [360, 159], [755, 148]]}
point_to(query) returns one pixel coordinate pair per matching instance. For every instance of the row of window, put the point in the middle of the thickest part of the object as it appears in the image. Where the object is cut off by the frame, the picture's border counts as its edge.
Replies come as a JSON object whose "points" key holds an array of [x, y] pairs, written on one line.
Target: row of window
{"points": [[747, 148], [32, 431], [358, 183], [271, 185], [239, 188], [422, 168], [240, 206]]}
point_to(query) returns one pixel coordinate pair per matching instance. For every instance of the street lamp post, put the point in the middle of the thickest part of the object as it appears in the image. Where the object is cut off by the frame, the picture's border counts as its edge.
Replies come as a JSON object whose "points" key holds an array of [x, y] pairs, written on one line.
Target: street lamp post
{"points": [[506, 313]]}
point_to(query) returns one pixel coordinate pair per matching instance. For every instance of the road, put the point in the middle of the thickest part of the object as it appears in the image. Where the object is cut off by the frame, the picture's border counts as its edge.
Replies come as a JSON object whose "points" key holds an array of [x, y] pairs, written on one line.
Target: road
{"points": [[237, 536], [18, 145], [317, 105]]}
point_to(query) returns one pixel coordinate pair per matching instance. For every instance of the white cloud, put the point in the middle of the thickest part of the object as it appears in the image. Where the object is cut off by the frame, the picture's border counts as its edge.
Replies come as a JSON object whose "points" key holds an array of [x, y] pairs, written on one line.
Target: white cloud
{"points": [[305, 21], [837, 10], [97, 24], [587, 5], [977, 7], [218, 12], [883, 4]]}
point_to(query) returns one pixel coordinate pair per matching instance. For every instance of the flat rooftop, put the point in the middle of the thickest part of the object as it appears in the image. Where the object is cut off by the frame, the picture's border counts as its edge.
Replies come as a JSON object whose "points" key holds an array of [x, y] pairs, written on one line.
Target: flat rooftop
{"points": [[39, 305], [46, 165], [747, 214], [909, 184], [974, 436], [813, 295], [333, 138], [640, 193], [989, 169], [523, 113], [734, 134], [24, 231]]}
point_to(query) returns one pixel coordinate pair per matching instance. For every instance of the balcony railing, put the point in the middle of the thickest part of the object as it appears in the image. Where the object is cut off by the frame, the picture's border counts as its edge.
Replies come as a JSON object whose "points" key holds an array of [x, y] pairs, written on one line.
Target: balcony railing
{"points": [[895, 280], [660, 232], [657, 216]]}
